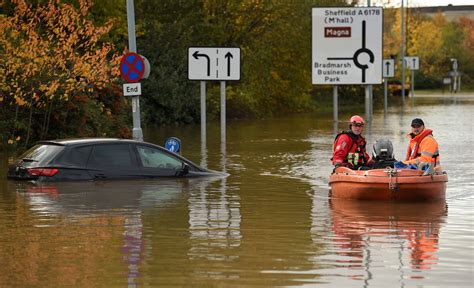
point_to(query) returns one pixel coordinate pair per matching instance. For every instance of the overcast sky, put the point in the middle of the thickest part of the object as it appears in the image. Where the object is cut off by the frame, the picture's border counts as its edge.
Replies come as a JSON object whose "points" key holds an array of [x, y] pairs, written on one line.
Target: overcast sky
{"points": [[417, 3]]}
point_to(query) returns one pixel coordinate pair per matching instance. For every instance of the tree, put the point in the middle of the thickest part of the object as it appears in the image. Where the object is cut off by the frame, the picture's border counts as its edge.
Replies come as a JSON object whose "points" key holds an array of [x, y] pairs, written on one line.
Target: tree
{"points": [[275, 42], [56, 78]]}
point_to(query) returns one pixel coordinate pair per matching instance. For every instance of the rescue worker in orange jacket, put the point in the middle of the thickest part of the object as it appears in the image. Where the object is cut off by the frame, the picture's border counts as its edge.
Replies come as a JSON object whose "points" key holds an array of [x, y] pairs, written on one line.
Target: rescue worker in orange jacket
{"points": [[423, 148], [349, 146]]}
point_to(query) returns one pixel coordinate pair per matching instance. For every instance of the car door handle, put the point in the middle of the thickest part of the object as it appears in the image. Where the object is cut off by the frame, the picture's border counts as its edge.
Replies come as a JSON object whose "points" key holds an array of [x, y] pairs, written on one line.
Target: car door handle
{"points": [[99, 176]]}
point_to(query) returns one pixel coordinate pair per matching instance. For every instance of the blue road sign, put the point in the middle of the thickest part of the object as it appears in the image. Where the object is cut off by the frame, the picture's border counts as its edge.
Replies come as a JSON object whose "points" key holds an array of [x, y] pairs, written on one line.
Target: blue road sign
{"points": [[173, 144]]}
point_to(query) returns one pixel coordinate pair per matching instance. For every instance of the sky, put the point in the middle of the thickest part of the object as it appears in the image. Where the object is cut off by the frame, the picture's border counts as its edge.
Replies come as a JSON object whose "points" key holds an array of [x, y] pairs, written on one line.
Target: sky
{"points": [[419, 3]]}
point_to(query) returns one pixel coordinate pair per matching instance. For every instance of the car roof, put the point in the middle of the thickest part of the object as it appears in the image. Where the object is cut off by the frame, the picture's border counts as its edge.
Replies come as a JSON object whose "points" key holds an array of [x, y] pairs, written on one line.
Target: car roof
{"points": [[80, 141]]}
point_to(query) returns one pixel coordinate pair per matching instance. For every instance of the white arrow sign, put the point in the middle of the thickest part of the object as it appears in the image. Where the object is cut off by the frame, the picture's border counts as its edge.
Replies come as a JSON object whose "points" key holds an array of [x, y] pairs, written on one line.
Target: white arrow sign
{"points": [[412, 62], [347, 45], [388, 68], [213, 63]]}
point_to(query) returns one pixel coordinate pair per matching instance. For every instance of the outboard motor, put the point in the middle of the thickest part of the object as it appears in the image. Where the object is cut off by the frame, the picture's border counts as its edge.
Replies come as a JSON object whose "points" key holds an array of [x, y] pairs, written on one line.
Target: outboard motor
{"points": [[383, 154]]}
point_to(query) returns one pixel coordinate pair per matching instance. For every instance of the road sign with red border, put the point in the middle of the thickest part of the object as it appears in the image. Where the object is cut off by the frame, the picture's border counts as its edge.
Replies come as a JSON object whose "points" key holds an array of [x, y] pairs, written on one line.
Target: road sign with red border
{"points": [[132, 67]]}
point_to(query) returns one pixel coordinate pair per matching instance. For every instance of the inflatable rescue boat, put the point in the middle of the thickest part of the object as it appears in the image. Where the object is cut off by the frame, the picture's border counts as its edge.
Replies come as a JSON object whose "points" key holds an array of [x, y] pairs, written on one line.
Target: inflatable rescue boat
{"points": [[384, 182], [389, 184]]}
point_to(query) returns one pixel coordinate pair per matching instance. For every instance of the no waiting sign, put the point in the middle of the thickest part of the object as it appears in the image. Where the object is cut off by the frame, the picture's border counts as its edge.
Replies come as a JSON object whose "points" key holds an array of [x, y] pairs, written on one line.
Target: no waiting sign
{"points": [[347, 45], [132, 67]]}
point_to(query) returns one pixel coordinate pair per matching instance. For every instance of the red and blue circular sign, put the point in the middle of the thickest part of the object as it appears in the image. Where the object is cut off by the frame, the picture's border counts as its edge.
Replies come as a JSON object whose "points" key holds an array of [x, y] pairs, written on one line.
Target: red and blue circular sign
{"points": [[132, 67]]}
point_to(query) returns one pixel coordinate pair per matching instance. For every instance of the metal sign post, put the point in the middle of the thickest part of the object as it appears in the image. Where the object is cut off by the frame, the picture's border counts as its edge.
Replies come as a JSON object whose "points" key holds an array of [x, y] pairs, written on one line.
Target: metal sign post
{"points": [[203, 125], [223, 113], [385, 97], [402, 50], [369, 92], [335, 108], [347, 47], [456, 76], [203, 113], [132, 46], [388, 71], [208, 64], [413, 63]]}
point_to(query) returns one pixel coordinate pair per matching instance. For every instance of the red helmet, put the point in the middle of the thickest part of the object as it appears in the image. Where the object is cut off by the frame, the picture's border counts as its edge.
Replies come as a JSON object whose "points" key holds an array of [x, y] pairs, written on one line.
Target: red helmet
{"points": [[356, 119]]}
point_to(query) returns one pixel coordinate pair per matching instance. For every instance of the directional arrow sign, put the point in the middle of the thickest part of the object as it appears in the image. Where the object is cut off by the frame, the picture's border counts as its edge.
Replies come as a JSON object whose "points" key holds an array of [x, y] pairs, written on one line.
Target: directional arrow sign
{"points": [[412, 62], [196, 55], [213, 63], [347, 45], [228, 56], [388, 68]]}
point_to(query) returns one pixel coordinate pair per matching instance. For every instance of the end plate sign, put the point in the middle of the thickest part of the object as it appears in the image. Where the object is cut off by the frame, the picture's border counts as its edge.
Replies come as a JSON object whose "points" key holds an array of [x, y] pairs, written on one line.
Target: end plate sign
{"points": [[347, 45], [213, 63]]}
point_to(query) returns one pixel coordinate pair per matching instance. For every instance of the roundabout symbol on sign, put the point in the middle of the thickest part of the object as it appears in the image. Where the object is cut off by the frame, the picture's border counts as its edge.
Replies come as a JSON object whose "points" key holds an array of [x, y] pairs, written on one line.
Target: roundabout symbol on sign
{"points": [[358, 52], [132, 67]]}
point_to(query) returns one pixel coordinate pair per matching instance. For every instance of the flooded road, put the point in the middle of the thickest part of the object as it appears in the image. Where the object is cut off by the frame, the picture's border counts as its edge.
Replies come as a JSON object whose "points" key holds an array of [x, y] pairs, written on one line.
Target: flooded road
{"points": [[270, 223]]}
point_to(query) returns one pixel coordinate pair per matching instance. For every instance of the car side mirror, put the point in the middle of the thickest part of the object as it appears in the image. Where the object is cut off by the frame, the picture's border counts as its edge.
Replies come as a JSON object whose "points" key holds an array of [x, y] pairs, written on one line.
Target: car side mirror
{"points": [[184, 169]]}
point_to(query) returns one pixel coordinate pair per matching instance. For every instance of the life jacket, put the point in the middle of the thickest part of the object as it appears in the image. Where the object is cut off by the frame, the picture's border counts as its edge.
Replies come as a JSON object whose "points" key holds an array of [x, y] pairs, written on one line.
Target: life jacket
{"points": [[413, 151], [356, 155]]}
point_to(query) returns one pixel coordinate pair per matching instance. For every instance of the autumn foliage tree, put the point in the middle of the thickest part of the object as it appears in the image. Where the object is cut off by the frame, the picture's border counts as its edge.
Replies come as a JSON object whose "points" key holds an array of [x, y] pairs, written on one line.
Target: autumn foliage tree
{"points": [[57, 78], [435, 40]]}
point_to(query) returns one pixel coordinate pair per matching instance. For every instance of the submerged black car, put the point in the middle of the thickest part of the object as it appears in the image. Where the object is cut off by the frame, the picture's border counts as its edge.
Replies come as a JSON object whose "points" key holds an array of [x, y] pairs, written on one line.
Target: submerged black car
{"points": [[101, 159]]}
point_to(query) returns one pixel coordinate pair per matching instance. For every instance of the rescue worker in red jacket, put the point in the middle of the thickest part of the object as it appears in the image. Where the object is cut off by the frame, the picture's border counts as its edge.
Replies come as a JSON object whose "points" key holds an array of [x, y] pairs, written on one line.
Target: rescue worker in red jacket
{"points": [[423, 148], [349, 146]]}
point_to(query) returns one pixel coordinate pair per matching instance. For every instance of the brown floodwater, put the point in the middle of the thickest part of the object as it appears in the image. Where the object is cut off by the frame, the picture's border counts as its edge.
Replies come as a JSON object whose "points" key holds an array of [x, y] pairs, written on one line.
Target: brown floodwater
{"points": [[270, 223]]}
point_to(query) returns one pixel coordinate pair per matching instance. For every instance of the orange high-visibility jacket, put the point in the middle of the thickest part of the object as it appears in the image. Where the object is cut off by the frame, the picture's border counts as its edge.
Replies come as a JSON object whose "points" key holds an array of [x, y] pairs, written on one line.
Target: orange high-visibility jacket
{"points": [[423, 149]]}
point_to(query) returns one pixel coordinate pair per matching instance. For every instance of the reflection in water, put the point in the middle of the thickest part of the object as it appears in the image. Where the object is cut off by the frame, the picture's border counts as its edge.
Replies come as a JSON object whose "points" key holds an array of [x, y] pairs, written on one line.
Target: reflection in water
{"points": [[203, 162], [214, 219], [369, 236], [88, 223], [133, 247], [269, 224], [80, 201]]}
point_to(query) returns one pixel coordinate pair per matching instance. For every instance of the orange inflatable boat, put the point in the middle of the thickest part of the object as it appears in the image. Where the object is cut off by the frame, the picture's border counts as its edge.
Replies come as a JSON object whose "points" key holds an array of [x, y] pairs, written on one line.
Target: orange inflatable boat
{"points": [[388, 184]]}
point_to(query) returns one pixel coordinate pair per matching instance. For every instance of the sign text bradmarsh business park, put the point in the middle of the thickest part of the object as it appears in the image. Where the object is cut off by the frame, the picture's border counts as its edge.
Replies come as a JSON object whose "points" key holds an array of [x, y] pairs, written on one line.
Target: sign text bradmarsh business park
{"points": [[347, 45]]}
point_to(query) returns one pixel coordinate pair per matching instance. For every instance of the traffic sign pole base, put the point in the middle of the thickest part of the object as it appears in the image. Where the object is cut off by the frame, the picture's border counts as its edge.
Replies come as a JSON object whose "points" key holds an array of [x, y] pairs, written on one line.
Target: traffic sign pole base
{"points": [[137, 134]]}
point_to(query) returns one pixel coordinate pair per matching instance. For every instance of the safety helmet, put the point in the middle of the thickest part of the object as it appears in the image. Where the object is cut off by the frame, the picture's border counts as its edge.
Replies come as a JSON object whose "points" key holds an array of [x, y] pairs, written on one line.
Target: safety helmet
{"points": [[356, 119]]}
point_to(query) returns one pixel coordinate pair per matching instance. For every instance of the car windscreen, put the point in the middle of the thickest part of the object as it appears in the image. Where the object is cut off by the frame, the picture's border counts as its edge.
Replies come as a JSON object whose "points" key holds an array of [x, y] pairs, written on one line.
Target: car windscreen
{"points": [[41, 154]]}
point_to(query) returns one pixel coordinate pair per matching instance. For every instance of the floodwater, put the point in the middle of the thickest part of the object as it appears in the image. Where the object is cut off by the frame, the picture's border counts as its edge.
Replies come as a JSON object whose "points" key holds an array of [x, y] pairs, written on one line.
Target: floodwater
{"points": [[270, 223]]}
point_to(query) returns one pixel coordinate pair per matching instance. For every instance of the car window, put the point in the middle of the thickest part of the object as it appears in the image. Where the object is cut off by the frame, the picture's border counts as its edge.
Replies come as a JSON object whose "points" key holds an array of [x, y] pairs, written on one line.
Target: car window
{"points": [[155, 158], [76, 156], [110, 155], [42, 153]]}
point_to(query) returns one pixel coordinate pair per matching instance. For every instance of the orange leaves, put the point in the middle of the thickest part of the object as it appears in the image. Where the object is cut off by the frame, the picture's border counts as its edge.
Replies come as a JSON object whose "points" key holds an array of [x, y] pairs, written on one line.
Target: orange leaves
{"points": [[19, 101], [13, 140], [52, 51], [467, 25]]}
